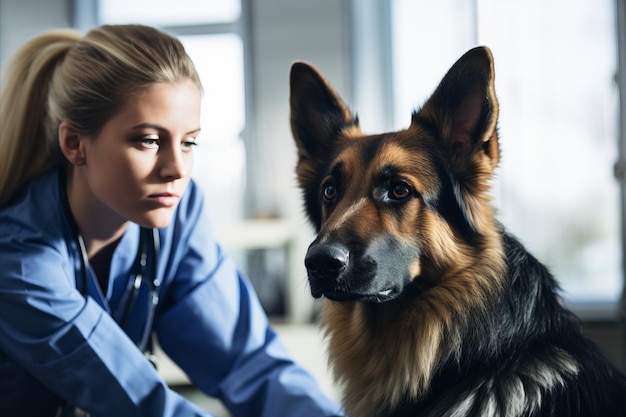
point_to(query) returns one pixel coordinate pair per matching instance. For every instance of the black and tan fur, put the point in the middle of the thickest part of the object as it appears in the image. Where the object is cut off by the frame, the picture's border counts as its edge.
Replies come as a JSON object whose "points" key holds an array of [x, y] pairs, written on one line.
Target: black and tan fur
{"points": [[431, 308]]}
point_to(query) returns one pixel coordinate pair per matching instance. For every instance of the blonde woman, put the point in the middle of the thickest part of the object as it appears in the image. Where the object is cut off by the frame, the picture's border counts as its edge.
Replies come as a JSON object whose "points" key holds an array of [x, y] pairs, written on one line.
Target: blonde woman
{"points": [[104, 242]]}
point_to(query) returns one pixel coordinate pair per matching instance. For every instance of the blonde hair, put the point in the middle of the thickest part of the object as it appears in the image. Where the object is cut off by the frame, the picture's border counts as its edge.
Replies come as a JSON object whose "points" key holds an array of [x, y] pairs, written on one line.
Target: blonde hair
{"points": [[62, 76]]}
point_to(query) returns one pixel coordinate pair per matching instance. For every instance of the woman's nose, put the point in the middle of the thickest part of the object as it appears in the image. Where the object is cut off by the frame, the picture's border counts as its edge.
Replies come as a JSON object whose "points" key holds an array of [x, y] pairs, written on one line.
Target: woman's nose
{"points": [[174, 164]]}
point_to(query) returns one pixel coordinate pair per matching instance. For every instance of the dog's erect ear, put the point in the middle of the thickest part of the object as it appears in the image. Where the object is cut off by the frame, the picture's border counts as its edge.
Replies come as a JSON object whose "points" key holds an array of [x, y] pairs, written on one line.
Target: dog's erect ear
{"points": [[318, 118], [318, 114], [463, 112]]}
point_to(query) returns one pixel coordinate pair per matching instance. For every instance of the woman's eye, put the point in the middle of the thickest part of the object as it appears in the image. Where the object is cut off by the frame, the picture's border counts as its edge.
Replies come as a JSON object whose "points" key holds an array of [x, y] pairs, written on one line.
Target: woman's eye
{"points": [[329, 192], [149, 142], [400, 191], [189, 144]]}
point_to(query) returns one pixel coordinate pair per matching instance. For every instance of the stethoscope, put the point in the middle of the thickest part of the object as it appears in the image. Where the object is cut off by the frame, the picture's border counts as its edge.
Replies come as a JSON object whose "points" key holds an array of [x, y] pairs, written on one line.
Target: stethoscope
{"points": [[147, 237], [131, 293]]}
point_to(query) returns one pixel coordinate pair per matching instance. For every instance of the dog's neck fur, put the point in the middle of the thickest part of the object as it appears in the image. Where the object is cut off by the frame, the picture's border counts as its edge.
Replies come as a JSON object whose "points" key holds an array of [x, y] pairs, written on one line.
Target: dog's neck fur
{"points": [[378, 370]]}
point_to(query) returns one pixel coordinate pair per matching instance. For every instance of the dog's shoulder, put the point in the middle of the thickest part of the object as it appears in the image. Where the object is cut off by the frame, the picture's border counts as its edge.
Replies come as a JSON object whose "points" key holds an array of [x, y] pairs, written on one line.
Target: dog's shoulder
{"points": [[556, 366]]}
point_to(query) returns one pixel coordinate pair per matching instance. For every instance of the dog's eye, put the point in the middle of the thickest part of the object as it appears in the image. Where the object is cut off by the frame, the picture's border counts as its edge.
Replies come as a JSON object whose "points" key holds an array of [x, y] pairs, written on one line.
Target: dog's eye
{"points": [[329, 192], [400, 191]]}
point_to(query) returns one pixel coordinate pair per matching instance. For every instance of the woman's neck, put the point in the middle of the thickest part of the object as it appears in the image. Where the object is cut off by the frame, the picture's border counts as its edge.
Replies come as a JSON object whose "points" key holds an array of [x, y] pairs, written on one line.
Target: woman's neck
{"points": [[98, 224]]}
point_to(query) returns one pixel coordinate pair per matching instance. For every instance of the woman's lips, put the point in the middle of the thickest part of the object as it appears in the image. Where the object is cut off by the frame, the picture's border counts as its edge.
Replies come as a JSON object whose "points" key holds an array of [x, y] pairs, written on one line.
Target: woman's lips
{"points": [[165, 199]]}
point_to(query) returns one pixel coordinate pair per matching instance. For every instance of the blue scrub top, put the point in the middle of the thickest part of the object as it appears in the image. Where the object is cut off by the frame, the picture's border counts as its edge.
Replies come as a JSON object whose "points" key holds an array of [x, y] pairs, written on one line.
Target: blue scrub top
{"points": [[56, 345]]}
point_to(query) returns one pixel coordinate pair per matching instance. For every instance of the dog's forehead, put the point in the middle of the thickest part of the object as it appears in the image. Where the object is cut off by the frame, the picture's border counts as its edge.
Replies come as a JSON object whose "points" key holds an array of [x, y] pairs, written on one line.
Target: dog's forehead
{"points": [[402, 153]]}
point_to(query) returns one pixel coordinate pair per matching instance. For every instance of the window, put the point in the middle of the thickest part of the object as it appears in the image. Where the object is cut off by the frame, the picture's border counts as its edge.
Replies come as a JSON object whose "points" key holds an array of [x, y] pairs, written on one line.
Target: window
{"points": [[555, 66], [212, 38]]}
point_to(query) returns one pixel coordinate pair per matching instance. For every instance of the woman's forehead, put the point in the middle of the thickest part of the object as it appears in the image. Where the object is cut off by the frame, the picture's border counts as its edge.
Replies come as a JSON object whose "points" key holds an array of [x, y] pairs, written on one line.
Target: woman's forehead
{"points": [[165, 104]]}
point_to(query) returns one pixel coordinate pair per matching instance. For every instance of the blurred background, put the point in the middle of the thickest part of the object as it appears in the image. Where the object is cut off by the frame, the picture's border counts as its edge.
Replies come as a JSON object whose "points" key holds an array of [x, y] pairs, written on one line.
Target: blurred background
{"points": [[559, 187]]}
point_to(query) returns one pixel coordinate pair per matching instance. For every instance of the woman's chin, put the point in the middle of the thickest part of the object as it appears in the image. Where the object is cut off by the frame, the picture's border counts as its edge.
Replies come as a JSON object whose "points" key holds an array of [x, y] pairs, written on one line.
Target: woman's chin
{"points": [[156, 219]]}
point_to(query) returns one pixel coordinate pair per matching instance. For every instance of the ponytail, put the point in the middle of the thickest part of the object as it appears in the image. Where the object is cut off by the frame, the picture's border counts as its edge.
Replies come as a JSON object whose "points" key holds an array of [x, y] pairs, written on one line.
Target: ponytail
{"points": [[26, 149]]}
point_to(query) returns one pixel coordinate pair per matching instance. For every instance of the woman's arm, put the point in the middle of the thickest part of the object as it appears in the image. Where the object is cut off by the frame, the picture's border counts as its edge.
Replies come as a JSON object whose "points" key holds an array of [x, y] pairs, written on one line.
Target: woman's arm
{"points": [[214, 327], [68, 343]]}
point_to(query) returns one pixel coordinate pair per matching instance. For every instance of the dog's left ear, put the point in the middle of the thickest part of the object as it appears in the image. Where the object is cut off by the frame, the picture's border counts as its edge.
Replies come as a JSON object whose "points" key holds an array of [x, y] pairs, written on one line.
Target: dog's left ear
{"points": [[463, 112]]}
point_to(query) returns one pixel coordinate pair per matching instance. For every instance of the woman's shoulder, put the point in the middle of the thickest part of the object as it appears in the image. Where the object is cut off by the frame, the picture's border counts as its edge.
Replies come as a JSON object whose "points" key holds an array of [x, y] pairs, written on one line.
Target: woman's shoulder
{"points": [[36, 207]]}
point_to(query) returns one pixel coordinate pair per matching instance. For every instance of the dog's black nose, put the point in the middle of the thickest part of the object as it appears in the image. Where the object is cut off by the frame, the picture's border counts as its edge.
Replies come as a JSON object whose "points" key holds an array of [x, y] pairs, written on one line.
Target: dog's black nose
{"points": [[326, 260]]}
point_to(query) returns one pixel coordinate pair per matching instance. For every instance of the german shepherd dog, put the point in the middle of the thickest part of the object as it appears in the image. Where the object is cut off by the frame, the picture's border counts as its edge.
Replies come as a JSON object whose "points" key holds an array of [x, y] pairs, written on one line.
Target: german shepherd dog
{"points": [[431, 308]]}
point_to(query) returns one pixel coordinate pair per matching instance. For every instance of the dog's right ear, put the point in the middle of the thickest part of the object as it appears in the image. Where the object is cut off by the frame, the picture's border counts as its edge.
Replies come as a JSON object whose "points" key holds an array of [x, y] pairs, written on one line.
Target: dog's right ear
{"points": [[318, 114], [319, 119]]}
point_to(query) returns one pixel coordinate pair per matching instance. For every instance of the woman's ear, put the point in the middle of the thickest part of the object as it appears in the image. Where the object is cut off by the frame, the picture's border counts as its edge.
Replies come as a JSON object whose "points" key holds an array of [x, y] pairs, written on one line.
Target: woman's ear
{"points": [[71, 144]]}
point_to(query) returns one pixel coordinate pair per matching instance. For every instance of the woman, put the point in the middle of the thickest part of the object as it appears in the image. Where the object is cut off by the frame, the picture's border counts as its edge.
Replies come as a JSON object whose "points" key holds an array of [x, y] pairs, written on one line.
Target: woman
{"points": [[104, 241]]}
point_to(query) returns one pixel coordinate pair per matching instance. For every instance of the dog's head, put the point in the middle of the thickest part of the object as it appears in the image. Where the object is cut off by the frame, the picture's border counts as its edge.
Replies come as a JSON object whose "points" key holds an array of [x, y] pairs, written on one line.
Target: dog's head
{"points": [[400, 209]]}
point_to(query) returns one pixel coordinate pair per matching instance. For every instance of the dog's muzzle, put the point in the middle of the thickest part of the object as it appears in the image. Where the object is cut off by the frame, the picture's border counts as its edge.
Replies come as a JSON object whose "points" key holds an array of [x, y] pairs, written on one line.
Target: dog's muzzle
{"points": [[337, 274]]}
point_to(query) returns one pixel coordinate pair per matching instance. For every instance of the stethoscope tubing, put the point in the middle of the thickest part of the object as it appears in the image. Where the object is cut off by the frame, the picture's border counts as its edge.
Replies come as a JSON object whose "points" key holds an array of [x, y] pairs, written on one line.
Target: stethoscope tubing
{"points": [[131, 293]]}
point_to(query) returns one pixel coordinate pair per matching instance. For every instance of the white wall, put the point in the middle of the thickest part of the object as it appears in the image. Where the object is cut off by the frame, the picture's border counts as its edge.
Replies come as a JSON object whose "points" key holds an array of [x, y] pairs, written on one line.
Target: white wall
{"points": [[284, 31]]}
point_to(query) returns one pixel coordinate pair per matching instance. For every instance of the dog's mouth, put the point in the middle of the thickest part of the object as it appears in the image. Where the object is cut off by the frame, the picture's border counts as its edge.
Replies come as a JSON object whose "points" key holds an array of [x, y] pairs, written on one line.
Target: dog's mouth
{"points": [[341, 295]]}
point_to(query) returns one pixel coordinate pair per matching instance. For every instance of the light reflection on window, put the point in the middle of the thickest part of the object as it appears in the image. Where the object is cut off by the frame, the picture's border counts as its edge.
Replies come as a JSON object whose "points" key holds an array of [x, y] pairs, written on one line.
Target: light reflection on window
{"points": [[555, 62]]}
